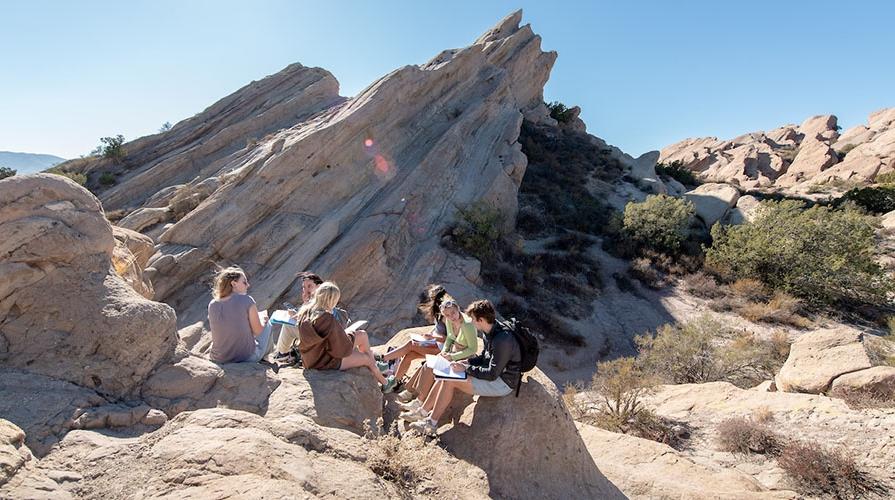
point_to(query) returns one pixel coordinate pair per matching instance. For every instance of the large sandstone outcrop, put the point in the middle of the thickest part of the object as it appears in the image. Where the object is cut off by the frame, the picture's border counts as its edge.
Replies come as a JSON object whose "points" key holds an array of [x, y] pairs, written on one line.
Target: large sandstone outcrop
{"points": [[529, 446], [712, 202], [818, 358], [793, 158], [360, 192], [64, 312]]}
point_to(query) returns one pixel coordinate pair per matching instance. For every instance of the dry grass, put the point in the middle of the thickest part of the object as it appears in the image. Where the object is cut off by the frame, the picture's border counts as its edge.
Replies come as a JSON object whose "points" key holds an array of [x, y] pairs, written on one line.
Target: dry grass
{"points": [[642, 270], [762, 415], [749, 289], [397, 459], [703, 285], [781, 309], [745, 435], [862, 399], [816, 470]]}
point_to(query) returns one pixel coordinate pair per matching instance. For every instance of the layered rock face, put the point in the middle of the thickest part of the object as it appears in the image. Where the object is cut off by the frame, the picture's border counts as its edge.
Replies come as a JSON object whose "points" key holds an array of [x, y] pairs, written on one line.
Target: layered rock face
{"points": [[360, 192], [793, 157], [64, 312]]}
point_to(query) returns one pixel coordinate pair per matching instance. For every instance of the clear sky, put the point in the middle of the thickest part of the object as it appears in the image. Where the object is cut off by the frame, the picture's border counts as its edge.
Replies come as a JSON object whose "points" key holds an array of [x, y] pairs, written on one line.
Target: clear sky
{"points": [[646, 73]]}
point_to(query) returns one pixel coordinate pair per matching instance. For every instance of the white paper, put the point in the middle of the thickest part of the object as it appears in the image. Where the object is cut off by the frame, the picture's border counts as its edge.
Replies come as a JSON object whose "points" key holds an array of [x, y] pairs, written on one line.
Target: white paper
{"points": [[441, 368], [422, 339], [357, 325]]}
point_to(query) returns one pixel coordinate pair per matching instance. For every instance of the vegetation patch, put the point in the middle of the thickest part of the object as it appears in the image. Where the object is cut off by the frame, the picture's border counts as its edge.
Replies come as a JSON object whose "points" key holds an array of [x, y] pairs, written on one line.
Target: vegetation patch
{"points": [[824, 256], [6, 172], [744, 435], [677, 171], [874, 199], [78, 177], [816, 470]]}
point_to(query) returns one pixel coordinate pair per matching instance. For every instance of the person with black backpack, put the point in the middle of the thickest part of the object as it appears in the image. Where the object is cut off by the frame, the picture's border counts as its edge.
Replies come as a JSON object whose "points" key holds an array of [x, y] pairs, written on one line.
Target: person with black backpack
{"points": [[494, 373]]}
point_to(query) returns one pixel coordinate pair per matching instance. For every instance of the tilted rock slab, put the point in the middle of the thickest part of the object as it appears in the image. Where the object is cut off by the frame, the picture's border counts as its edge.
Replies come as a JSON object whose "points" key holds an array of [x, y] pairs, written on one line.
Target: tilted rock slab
{"points": [[361, 192], [64, 312]]}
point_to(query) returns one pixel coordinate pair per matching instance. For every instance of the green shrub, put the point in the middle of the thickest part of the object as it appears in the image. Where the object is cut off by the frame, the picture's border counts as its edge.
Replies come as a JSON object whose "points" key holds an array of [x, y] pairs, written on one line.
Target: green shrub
{"points": [[477, 231], [877, 200], [6, 172], [660, 223], [705, 350], [113, 148], [822, 255], [107, 179], [621, 385], [677, 171], [559, 112], [75, 176]]}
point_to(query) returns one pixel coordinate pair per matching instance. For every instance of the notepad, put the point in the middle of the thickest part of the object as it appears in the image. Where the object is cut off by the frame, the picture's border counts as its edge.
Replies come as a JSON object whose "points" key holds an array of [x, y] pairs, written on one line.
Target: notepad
{"points": [[281, 317], [441, 368], [357, 325], [423, 340]]}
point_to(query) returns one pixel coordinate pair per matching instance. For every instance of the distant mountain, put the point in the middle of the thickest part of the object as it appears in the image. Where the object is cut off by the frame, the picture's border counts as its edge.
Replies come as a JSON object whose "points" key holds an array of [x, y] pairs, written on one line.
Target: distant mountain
{"points": [[28, 163]]}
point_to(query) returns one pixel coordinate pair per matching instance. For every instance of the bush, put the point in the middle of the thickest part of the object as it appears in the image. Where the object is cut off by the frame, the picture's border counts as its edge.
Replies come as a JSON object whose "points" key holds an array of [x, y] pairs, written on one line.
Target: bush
{"points": [[660, 223], [643, 271], [477, 231], [559, 112], [745, 436], [702, 285], [749, 289], [818, 471], [677, 171], [107, 179], [113, 148], [79, 178], [6, 172], [782, 309], [877, 200], [621, 385], [821, 255], [704, 350]]}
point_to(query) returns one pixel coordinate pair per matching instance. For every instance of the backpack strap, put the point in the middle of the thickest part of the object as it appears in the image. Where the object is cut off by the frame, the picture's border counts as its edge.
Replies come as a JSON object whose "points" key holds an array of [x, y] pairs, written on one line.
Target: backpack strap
{"points": [[519, 383]]}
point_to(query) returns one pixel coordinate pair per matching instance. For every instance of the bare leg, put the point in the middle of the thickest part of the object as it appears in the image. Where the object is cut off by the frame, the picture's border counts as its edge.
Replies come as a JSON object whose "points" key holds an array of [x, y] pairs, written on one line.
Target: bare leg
{"points": [[425, 382], [415, 352], [361, 341], [357, 359], [446, 394]]}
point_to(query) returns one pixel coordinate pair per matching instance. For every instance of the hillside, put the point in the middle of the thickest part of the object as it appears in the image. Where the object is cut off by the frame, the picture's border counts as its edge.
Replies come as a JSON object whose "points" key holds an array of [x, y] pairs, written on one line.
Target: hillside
{"points": [[28, 163]]}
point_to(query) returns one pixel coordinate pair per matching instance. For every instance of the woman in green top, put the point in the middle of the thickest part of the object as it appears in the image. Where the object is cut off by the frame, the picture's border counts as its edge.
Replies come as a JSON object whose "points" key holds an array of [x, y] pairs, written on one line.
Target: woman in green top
{"points": [[460, 343]]}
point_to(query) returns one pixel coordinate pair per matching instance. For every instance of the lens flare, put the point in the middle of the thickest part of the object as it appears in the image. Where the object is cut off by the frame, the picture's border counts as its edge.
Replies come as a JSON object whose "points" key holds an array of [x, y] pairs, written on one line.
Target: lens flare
{"points": [[368, 142]]}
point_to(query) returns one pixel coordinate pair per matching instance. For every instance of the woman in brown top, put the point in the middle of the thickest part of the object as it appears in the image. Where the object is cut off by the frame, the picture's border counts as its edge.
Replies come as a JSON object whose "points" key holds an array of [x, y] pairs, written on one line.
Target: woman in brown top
{"points": [[323, 343]]}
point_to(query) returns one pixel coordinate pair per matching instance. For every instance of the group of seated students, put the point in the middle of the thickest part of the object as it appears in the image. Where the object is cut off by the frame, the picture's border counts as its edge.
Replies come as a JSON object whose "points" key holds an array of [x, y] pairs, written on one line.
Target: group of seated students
{"points": [[240, 334]]}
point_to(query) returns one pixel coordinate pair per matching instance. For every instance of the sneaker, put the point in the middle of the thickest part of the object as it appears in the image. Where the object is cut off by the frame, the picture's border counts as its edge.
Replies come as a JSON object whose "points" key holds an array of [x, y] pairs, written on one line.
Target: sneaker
{"points": [[383, 366], [414, 415], [406, 396], [427, 427], [285, 358], [412, 405], [389, 386]]}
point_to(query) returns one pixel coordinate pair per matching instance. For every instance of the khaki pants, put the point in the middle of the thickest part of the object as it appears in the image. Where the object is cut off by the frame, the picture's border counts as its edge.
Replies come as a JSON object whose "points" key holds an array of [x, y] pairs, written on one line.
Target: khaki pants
{"points": [[288, 338]]}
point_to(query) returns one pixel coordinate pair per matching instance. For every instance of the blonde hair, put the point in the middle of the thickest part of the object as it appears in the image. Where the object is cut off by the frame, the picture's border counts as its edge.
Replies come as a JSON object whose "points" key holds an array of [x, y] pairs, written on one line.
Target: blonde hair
{"points": [[325, 299], [223, 281]]}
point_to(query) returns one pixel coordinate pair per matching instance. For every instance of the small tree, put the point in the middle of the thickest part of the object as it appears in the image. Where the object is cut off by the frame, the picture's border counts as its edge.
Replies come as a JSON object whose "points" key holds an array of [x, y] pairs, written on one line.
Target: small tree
{"points": [[559, 112], [822, 255], [113, 148], [660, 223], [621, 385], [477, 230], [165, 127], [6, 172]]}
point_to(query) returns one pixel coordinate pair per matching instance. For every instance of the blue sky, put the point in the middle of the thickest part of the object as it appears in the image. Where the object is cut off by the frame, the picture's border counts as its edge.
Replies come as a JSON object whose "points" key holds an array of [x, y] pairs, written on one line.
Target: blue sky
{"points": [[646, 73]]}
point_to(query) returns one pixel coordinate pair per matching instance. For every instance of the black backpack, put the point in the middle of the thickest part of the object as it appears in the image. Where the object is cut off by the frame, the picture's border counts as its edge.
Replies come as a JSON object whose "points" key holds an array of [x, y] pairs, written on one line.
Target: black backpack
{"points": [[528, 347]]}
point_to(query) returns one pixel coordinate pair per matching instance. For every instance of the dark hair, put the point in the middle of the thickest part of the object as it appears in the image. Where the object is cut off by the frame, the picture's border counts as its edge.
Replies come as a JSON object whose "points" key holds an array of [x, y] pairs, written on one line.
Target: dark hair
{"points": [[431, 305], [308, 275], [482, 309]]}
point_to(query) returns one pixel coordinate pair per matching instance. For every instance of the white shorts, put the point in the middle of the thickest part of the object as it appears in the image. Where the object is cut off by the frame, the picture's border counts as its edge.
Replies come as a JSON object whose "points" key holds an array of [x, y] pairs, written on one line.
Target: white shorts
{"points": [[490, 388]]}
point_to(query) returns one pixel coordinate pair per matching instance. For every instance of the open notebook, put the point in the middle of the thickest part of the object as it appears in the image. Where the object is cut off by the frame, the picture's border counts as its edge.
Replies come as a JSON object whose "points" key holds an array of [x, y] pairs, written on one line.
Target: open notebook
{"points": [[441, 368]]}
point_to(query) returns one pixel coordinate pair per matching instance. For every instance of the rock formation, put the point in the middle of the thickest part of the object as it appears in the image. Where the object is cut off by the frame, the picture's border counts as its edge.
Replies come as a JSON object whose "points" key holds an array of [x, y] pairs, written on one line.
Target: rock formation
{"points": [[64, 312], [359, 190], [793, 158]]}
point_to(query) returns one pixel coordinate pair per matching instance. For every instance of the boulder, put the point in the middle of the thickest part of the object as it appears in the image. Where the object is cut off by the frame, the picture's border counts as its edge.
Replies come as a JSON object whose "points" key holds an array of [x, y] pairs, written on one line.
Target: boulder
{"points": [[713, 201], [63, 312], [18, 475], [745, 210], [144, 218], [814, 157], [878, 380], [818, 357], [644, 170], [221, 453], [529, 446], [345, 399], [815, 126], [888, 220], [131, 253], [641, 468]]}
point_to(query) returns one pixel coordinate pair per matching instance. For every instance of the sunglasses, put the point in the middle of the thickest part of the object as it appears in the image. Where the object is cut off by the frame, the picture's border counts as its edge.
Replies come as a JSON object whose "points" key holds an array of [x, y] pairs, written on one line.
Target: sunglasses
{"points": [[448, 303]]}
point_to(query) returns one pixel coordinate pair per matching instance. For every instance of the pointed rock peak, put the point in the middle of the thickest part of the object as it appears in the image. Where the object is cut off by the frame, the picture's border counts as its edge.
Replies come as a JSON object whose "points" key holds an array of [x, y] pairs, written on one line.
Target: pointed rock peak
{"points": [[506, 27]]}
